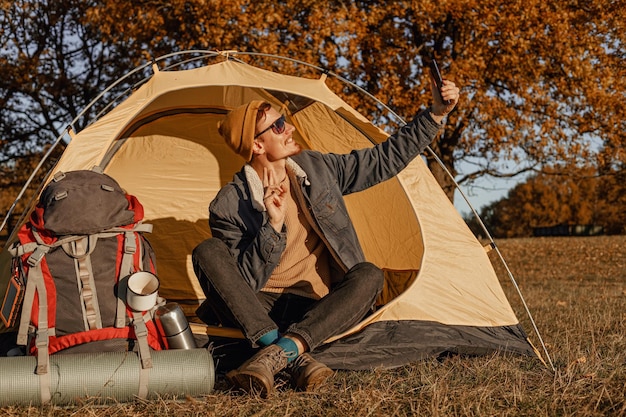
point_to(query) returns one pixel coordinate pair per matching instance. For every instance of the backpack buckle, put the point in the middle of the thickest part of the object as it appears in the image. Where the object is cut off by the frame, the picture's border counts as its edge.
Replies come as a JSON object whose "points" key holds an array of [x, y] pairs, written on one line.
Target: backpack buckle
{"points": [[35, 258], [129, 243]]}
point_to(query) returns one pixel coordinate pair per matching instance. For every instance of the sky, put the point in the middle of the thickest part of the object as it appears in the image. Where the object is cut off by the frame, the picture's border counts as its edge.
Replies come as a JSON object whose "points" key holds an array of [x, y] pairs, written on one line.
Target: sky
{"points": [[483, 192]]}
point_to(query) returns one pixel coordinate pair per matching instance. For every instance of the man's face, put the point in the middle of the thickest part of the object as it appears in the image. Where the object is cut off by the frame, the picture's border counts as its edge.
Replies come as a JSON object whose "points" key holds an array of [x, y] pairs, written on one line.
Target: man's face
{"points": [[276, 144]]}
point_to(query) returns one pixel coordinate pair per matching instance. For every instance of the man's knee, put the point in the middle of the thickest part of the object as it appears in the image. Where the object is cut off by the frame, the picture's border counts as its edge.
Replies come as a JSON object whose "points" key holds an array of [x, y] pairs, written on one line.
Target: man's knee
{"points": [[206, 259], [208, 249], [369, 275], [212, 254]]}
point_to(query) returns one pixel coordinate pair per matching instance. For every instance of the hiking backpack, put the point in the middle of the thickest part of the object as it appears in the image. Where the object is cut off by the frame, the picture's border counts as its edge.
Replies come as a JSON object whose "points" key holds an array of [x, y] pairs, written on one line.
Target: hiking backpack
{"points": [[82, 242]]}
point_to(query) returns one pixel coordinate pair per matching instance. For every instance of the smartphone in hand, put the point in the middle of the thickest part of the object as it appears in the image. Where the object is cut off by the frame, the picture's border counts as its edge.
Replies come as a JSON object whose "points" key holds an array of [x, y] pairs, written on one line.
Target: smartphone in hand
{"points": [[436, 74]]}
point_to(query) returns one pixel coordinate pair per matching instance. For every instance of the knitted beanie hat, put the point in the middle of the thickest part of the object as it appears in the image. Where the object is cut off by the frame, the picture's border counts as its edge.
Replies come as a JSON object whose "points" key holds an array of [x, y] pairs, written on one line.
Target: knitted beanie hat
{"points": [[238, 128]]}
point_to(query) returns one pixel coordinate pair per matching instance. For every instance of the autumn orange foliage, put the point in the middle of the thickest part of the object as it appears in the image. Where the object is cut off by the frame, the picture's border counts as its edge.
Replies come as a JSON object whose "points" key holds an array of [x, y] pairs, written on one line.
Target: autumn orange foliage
{"points": [[543, 82]]}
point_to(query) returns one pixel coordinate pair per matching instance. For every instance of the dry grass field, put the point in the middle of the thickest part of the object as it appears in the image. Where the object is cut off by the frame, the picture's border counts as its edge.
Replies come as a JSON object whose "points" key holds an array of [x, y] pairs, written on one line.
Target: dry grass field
{"points": [[575, 289]]}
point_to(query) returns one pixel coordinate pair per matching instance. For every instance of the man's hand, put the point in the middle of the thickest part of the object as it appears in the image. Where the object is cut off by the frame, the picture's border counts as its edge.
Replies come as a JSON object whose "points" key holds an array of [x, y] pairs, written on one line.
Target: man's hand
{"points": [[274, 199], [449, 92]]}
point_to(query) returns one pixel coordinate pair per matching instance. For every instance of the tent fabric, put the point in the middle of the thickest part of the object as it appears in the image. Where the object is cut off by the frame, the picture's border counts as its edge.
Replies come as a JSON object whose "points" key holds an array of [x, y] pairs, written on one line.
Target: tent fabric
{"points": [[390, 343], [161, 144]]}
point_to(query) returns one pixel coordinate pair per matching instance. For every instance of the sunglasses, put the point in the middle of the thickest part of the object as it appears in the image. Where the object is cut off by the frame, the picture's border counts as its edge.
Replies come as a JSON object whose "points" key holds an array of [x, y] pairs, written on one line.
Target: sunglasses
{"points": [[277, 127]]}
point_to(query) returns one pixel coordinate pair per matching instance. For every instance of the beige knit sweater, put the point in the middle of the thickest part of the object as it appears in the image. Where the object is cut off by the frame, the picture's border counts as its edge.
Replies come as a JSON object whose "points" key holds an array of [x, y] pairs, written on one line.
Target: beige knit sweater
{"points": [[303, 268]]}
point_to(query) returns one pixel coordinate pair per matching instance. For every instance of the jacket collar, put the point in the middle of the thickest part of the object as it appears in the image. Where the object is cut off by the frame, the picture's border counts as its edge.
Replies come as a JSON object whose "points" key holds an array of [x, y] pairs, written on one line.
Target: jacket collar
{"points": [[256, 185]]}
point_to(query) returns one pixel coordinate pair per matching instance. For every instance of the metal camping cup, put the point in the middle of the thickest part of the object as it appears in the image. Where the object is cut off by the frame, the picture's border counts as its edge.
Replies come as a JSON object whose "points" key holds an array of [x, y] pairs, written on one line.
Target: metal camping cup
{"points": [[142, 291], [173, 325]]}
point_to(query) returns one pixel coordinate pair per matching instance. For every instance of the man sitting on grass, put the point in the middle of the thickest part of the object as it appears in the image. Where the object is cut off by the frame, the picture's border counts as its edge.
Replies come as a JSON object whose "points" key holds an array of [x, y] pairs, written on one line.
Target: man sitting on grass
{"points": [[284, 264]]}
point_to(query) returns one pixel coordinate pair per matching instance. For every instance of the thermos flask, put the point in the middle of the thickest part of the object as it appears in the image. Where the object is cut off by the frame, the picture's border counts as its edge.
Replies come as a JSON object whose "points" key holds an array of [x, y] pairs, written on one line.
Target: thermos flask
{"points": [[173, 325]]}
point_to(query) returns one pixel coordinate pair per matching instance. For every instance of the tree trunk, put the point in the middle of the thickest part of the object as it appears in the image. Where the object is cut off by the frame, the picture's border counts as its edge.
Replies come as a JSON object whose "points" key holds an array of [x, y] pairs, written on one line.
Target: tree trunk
{"points": [[442, 177]]}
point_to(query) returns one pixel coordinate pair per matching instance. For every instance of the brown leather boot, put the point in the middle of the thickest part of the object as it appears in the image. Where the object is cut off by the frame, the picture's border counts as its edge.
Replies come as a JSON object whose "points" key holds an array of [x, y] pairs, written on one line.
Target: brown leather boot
{"points": [[256, 375], [307, 374]]}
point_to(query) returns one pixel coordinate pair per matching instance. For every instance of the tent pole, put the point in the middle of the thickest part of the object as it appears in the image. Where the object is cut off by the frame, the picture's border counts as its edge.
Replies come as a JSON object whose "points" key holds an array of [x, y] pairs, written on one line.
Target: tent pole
{"points": [[32, 176], [58, 140]]}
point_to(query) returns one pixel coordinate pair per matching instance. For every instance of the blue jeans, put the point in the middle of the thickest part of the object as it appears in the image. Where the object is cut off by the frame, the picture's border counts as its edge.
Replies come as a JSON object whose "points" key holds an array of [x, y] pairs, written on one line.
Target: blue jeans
{"points": [[231, 302]]}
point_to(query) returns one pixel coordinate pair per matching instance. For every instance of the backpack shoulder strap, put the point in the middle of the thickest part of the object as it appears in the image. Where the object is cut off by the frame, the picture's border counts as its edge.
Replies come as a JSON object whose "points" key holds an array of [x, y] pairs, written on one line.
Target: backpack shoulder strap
{"points": [[35, 283], [141, 333], [132, 243], [42, 336], [80, 250]]}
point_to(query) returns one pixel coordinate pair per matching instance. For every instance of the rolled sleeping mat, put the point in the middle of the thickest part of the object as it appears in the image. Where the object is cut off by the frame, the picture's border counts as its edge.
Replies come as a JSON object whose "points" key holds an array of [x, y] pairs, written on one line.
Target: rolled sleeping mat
{"points": [[107, 377]]}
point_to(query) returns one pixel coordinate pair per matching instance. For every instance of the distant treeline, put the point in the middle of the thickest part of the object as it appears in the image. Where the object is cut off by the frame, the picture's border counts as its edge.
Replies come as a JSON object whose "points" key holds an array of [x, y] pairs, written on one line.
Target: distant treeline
{"points": [[569, 230], [559, 203]]}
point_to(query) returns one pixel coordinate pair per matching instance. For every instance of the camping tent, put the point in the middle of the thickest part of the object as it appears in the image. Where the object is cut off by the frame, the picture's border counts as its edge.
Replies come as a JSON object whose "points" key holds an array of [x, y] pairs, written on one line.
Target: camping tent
{"points": [[161, 144]]}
